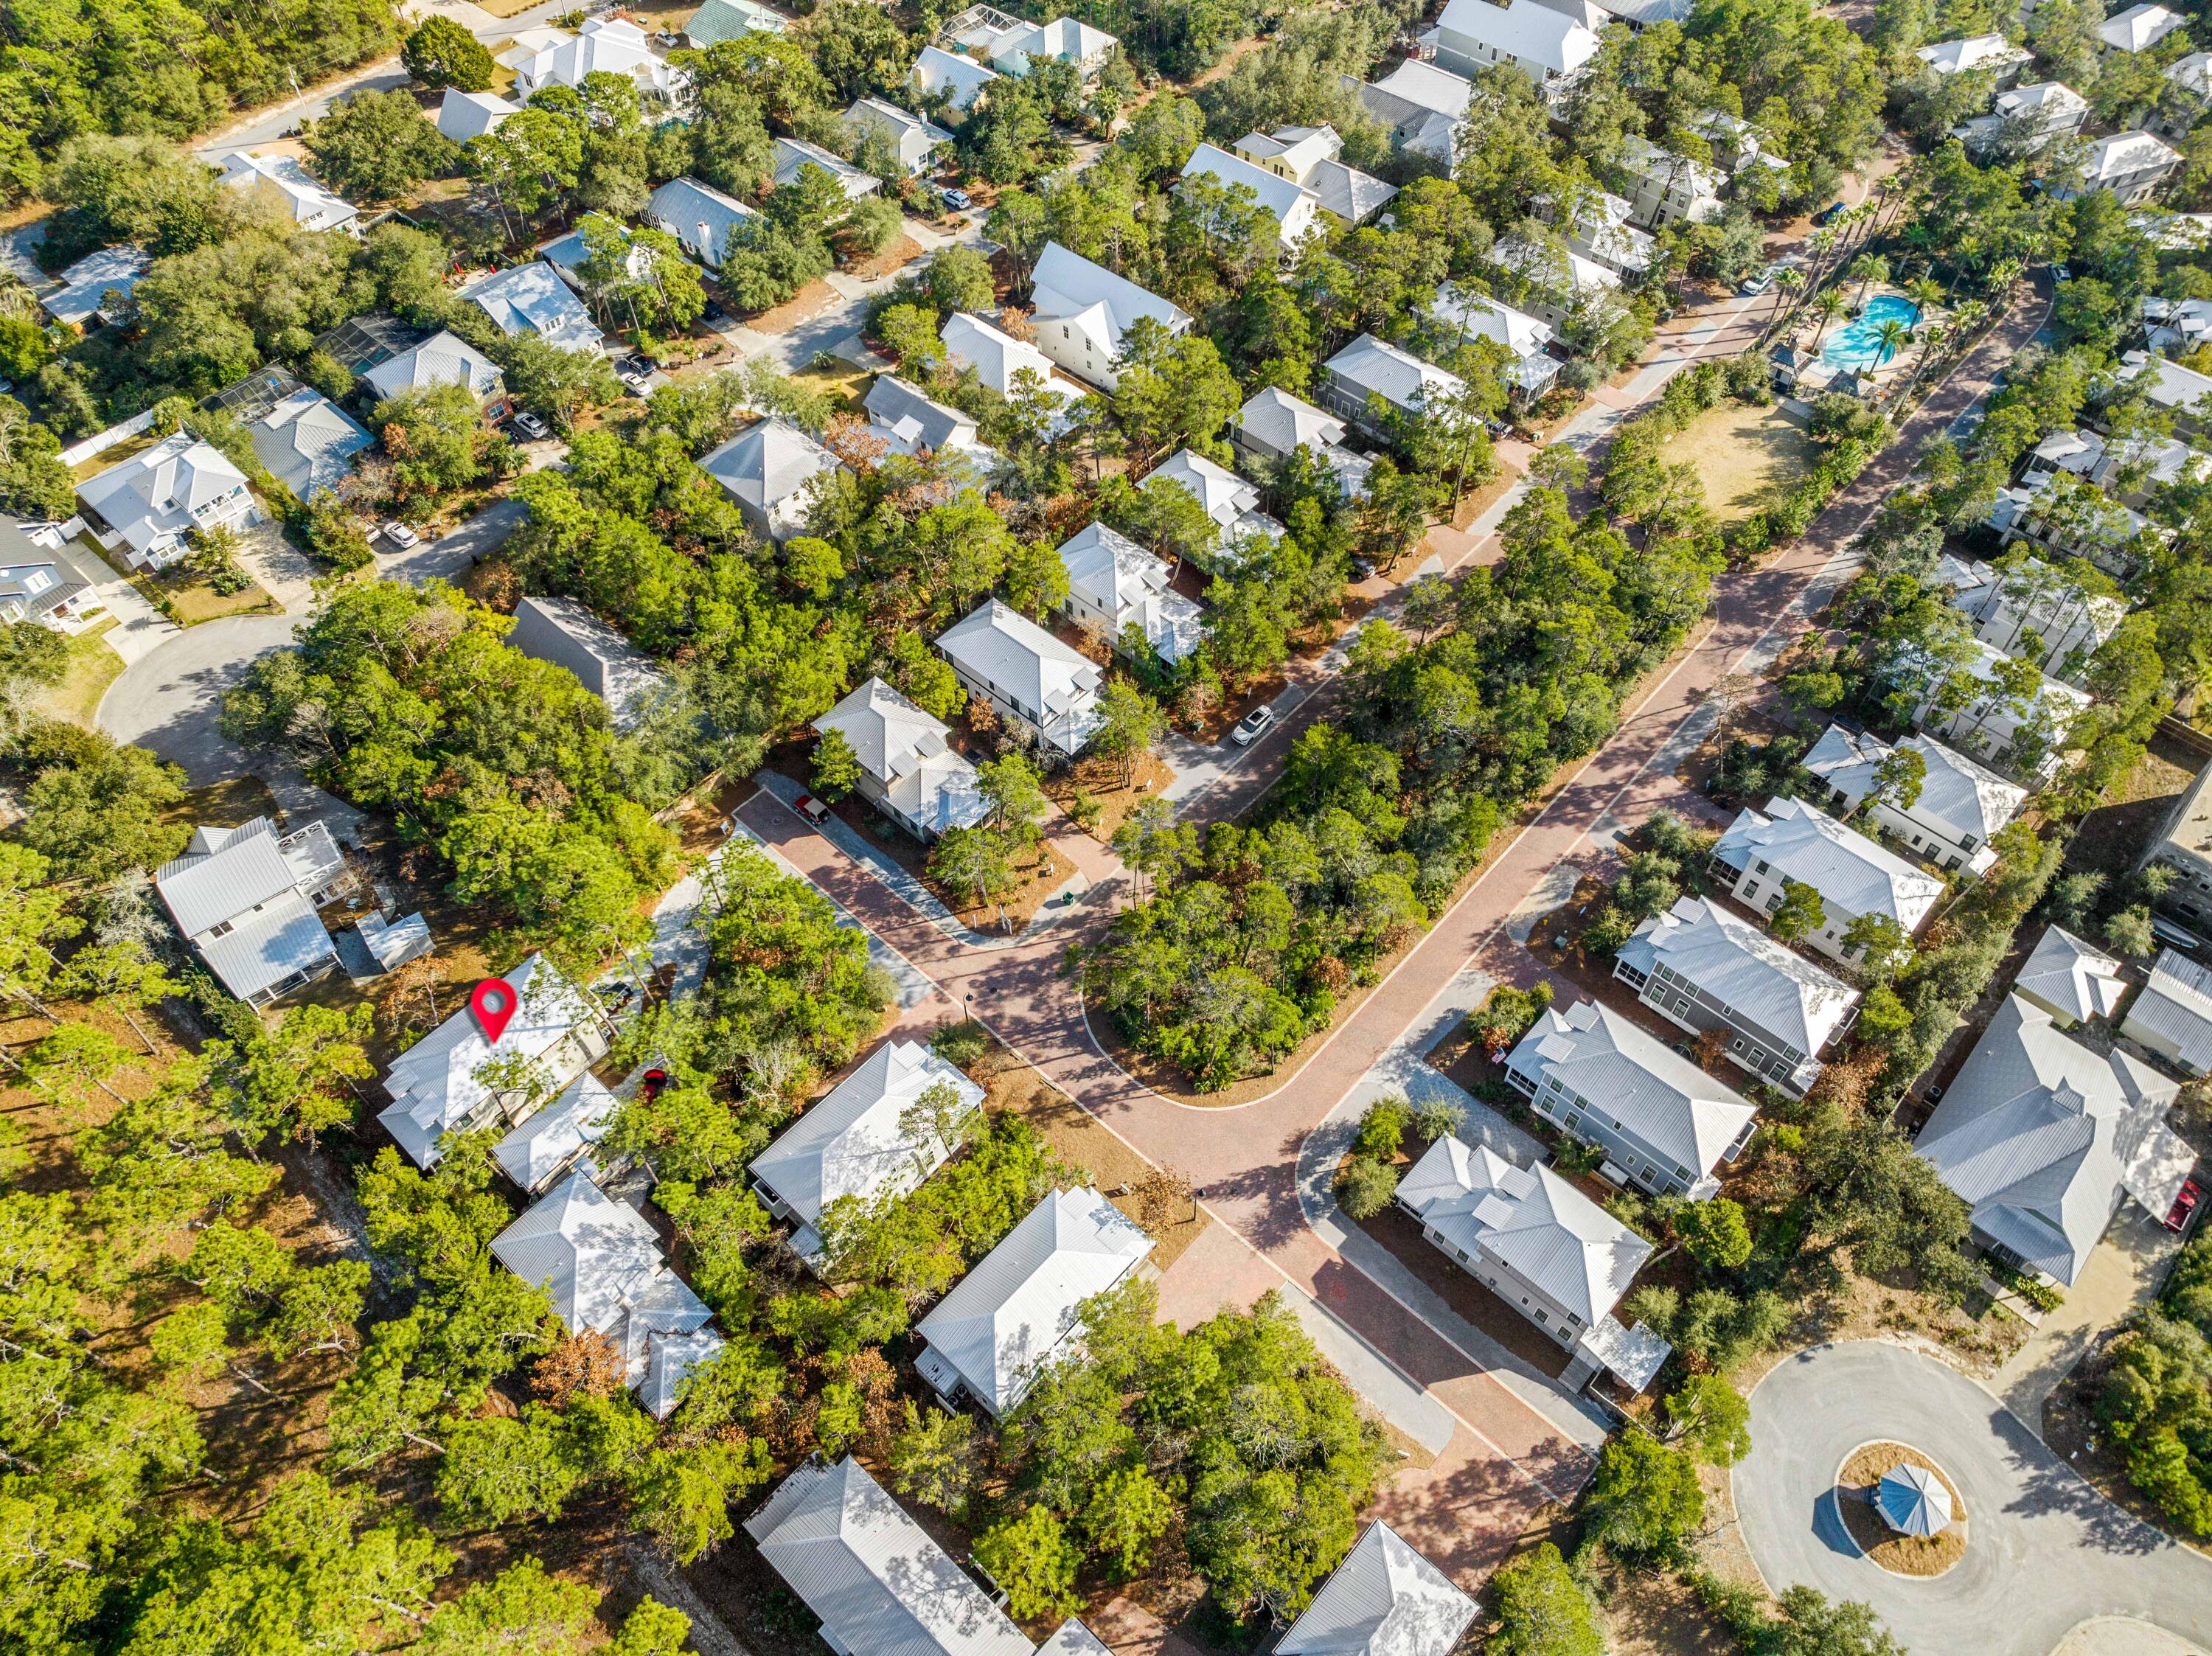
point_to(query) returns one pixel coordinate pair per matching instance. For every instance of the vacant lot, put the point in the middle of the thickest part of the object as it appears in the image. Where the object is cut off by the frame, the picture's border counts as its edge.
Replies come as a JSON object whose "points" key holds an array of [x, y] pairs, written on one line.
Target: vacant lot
{"points": [[1744, 456]]}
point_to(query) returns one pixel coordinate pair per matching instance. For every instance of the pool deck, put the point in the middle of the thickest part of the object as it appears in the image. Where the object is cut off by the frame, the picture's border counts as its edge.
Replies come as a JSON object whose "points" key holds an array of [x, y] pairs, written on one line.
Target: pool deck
{"points": [[1824, 370]]}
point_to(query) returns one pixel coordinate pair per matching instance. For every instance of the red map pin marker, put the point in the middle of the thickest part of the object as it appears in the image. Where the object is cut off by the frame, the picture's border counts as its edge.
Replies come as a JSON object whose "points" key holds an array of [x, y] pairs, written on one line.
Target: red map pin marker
{"points": [[493, 1002]]}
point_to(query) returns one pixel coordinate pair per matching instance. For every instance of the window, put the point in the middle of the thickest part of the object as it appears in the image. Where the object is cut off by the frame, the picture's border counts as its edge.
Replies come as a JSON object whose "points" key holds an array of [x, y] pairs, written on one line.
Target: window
{"points": [[222, 929], [1758, 867], [1542, 1316], [1774, 902]]}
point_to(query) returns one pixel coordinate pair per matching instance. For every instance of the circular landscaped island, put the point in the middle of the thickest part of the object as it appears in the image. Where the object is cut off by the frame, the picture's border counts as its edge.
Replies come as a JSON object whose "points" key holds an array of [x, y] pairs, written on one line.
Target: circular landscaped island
{"points": [[1901, 1510]]}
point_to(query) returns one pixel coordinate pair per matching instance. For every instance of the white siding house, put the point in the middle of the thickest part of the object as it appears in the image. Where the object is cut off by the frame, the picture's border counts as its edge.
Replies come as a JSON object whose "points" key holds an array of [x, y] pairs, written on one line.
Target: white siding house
{"points": [[1083, 310], [1854, 875]]}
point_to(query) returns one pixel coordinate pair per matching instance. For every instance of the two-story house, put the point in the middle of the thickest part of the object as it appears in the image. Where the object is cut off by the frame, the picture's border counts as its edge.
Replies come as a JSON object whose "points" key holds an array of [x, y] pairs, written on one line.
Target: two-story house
{"points": [[907, 769], [1274, 425], [2049, 614], [1460, 317], [767, 469], [1979, 54], [914, 142], [1370, 368], [281, 179], [702, 218], [1855, 876], [1226, 498], [148, 507], [1663, 1124], [246, 898], [1295, 209], [1114, 584], [1046, 690], [1550, 47], [1307, 156], [1957, 812], [1083, 310], [1704, 970], [1424, 107], [2183, 846], [545, 57], [2132, 165], [443, 359], [1665, 188], [457, 1078], [2011, 714], [2025, 120]]}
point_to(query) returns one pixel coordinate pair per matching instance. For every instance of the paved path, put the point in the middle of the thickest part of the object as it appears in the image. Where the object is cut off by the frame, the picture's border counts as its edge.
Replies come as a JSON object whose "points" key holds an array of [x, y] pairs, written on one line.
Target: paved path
{"points": [[2044, 1551], [2120, 1277]]}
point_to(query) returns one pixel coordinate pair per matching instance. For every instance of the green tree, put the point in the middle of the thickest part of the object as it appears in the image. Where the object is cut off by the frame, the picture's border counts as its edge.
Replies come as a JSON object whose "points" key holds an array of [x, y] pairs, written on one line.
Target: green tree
{"points": [[1714, 1232], [102, 813], [1800, 911], [1127, 1512], [1645, 1500], [836, 768], [1029, 1556], [935, 1459], [377, 146], [1541, 1609], [441, 52], [1129, 722], [1712, 1418]]}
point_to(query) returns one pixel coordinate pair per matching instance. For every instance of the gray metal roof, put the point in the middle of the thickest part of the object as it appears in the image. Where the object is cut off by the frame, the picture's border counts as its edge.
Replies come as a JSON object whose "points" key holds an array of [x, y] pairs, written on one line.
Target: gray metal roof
{"points": [[699, 215], [532, 298], [1653, 1091], [287, 938], [1384, 1599], [852, 1143], [1744, 970], [1913, 1501], [1846, 867], [998, 644], [1530, 1219], [550, 1138], [913, 420], [309, 442], [1013, 1311], [1375, 365], [444, 359], [903, 749], [881, 1586], [1958, 797], [768, 464], [794, 155], [563, 632], [225, 873], [2038, 1133], [2176, 1008], [2072, 977]]}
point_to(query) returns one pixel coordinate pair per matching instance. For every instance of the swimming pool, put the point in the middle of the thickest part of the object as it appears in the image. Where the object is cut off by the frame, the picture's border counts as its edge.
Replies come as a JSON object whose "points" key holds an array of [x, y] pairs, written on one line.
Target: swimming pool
{"points": [[1859, 344]]}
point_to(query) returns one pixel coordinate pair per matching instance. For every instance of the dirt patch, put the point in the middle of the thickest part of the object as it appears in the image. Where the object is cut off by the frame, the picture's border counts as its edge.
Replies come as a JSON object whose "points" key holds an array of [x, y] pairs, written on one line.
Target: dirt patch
{"points": [[1474, 504], [803, 306], [2110, 839], [1745, 456], [896, 256], [1654, 1613], [1102, 780], [1402, 1235], [1900, 1555], [226, 804]]}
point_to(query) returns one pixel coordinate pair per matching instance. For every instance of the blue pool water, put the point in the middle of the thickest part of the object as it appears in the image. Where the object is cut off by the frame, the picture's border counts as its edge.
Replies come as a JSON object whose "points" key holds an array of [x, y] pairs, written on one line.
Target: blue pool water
{"points": [[1858, 344]]}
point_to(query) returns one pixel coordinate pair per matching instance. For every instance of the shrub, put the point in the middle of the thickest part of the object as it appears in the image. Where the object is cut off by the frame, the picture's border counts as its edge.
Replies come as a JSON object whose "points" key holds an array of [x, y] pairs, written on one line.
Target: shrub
{"points": [[960, 1045], [1366, 1187], [1383, 1129], [1437, 1117]]}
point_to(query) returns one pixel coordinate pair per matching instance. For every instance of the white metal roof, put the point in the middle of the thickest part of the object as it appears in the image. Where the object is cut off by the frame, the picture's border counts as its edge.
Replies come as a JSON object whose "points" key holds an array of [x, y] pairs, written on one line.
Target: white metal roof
{"points": [[1014, 1310], [1074, 1639], [1283, 422], [1976, 51], [2038, 1133], [225, 872], [1067, 287], [1956, 793], [1846, 867], [853, 1142], [794, 155], [157, 492], [961, 77], [998, 644], [904, 750], [1529, 1218], [971, 341], [2139, 28], [2078, 979], [1112, 572], [1524, 29], [309, 442], [1384, 1599], [2117, 154], [910, 420], [563, 632], [911, 137], [1226, 497], [265, 949], [312, 205], [444, 359], [699, 215], [881, 1586], [435, 1083], [1375, 365], [1744, 970], [1280, 197], [1480, 316], [532, 298], [1631, 1075], [550, 1138], [768, 464], [466, 115], [86, 284], [2176, 1006]]}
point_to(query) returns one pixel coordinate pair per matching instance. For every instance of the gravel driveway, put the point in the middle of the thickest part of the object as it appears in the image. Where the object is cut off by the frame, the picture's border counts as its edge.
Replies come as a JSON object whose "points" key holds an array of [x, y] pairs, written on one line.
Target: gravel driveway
{"points": [[2044, 1552]]}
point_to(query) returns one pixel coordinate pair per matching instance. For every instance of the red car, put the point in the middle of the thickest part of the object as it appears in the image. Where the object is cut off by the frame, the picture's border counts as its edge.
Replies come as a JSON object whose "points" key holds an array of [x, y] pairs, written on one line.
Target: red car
{"points": [[2185, 1204]]}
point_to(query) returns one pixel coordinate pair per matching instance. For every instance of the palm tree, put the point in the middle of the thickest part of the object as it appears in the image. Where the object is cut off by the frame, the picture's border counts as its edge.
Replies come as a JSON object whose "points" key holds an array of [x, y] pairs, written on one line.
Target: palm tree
{"points": [[1923, 291], [1891, 334], [1867, 269], [1828, 306]]}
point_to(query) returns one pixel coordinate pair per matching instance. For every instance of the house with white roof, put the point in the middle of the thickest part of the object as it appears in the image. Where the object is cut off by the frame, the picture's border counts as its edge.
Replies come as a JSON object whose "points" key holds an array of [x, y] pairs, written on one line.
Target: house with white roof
{"points": [[1667, 188], [86, 286], [908, 771], [1370, 368], [148, 506], [1114, 584], [246, 898], [1082, 310], [1274, 425], [549, 1142], [1011, 42], [1596, 223], [701, 218], [565, 633], [1978, 54], [794, 155], [2172, 1019], [1295, 210], [1537, 1243], [997, 357], [2176, 325], [1663, 1124], [766, 469], [2043, 1137], [1307, 156], [466, 115], [864, 1142], [2020, 728], [961, 79], [912, 140], [910, 420], [604, 46], [1074, 1639], [2043, 613], [1704, 970], [1226, 498], [2130, 468], [2068, 515], [2132, 165], [718, 21], [1562, 281], [1961, 807], [1384, 1599], [1853, 875], [1548, 47], [307, 442], [456, 1079], [443, 359], [2071, 980], [1461, 316], [1019, 1310], [2183, 392], [1046, 691], [2139, 28], [2190, 77], [1424, 107], [600, 1264], [879, 1585], [532, 298], [2025, 118], [283, 179]]}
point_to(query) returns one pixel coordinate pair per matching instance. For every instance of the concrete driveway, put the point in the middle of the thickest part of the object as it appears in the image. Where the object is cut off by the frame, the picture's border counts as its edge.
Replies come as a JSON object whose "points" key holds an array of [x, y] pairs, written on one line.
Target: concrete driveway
{"points": [[2045, 1553], [168, 702]]}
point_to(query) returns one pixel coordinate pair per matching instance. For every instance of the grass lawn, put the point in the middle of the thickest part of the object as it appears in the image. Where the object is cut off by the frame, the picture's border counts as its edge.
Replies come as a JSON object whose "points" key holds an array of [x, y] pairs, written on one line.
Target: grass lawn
{"points": [[92, 666], [189, 601], [847, 384], [1744, 456], [115, 456]]}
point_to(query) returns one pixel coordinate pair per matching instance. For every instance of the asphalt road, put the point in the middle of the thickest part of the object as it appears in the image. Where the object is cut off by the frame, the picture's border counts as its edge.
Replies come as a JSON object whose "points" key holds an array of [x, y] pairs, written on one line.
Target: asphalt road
{"points": [[2045, 1551], [169, 701]]}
